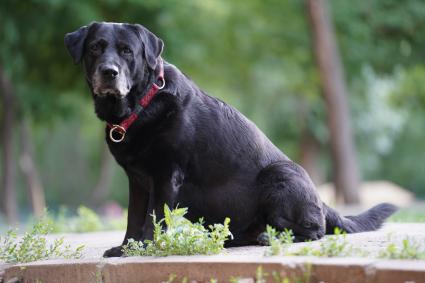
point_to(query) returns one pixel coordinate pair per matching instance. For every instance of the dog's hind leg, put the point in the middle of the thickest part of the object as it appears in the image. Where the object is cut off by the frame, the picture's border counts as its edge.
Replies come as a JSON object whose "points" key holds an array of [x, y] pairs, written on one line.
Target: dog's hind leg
{"points": [[289, 201]]}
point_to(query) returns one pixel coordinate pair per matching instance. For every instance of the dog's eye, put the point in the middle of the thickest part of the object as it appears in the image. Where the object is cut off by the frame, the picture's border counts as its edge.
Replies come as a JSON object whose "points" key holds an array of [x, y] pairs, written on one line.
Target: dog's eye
{"points": [[308, 225], [126, 51], [94, 48]]}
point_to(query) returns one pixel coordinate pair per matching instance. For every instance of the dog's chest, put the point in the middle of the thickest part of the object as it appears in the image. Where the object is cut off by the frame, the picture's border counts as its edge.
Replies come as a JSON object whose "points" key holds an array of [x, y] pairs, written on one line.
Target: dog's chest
{"points": [[143, 152]]}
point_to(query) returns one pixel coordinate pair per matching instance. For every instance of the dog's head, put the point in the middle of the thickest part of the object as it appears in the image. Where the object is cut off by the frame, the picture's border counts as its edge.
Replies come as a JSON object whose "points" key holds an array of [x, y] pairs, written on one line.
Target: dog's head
{"points": [[117, 58]]}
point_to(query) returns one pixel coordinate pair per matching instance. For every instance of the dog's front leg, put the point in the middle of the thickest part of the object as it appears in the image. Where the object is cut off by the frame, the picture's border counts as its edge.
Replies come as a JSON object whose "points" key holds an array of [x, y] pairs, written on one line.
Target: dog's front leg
{"points": [[164, 191], [137, 207]]}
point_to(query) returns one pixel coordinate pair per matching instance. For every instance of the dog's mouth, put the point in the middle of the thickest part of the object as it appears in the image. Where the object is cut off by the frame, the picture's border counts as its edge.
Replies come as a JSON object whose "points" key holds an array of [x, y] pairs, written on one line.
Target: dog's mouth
{"points": [[115, 90], [102, 92]]}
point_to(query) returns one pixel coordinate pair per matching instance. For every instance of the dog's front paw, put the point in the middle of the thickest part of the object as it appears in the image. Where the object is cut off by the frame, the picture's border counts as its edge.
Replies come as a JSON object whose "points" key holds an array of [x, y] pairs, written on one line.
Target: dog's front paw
{"points": [[114, 252]]}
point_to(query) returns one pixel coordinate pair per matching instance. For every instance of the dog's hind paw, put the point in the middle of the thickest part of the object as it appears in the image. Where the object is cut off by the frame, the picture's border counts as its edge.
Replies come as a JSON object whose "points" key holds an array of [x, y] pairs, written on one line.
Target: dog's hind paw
{"points": [[263, 239]]}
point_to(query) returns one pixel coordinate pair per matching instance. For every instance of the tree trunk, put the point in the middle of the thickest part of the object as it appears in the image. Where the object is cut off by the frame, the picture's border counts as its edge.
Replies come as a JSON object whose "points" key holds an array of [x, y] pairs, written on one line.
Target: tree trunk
{"points": [[309, 156], [35, 189], [345, 170], [100, 192], [9, 204]]}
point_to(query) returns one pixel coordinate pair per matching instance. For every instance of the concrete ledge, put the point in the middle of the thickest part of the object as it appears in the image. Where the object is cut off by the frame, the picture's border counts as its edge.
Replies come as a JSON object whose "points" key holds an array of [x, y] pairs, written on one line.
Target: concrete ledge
{"points": [[400, 271], [203, 268], [53, 271], [235, 262], [3, 266]]}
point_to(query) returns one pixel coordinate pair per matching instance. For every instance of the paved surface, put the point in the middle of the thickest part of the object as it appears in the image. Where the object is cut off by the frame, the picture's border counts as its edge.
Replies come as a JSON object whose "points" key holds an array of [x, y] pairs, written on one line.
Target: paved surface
{"points": [[242, 262], [97, 243]]}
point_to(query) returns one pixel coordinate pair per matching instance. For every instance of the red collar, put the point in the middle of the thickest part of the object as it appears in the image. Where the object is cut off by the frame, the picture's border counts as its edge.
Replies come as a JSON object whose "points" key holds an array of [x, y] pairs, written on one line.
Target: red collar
{"points": [[121, 128]]}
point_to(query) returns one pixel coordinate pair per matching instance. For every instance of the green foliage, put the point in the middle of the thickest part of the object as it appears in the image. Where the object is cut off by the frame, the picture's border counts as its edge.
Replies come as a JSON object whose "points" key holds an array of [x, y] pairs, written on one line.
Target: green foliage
{"points": [[338, 246], [409, 249], [262, 277], [409, 215], [278, 242], [334, 246], [331, 246], [33, 245], [253, 54], [86, 220], [180, 237]]}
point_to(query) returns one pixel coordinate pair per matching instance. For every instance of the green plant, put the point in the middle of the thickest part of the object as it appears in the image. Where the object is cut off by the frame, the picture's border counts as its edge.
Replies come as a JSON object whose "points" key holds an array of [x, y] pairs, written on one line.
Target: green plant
{"points": [[260, 275], [331, 246], [181, 237], [336, 245], [409, 249], [33, 245], [278, 241]]}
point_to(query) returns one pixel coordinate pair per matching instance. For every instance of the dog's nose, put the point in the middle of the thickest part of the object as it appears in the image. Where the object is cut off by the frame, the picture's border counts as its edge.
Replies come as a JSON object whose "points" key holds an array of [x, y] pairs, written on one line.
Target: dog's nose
{"points": [[109, 72]]}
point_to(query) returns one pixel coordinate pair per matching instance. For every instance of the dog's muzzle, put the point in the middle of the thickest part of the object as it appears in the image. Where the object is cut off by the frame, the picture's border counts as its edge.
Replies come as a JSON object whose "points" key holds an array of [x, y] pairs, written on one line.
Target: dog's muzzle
{"points": [[109, 80], [109, 72]]}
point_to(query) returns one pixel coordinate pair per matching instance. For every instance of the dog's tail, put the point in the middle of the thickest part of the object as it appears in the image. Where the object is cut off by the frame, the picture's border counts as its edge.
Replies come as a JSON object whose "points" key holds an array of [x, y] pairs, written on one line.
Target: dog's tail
{"points": [[369, 220]]}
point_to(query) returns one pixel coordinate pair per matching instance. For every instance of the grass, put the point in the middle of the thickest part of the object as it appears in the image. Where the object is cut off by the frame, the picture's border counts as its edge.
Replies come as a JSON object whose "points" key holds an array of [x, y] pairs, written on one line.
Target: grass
{"points": [[181, 237], [33, 245]]}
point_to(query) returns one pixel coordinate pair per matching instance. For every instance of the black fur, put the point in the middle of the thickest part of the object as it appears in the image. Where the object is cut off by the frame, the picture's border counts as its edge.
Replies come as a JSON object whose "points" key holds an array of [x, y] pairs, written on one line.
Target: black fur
{"points": [[194, 150]]}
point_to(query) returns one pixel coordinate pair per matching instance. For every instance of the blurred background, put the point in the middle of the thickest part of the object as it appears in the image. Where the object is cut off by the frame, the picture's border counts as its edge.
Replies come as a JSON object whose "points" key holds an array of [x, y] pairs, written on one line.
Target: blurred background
{"points": [[338, 85]]}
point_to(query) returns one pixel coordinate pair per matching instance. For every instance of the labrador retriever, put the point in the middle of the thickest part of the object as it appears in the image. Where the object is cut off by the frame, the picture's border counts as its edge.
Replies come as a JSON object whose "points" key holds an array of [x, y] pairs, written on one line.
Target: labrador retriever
{"points": [[179, 145]]}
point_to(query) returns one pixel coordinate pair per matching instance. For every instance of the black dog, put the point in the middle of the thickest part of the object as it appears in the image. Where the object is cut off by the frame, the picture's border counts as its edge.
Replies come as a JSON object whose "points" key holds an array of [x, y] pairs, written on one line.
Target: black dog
{"points": [[180, 146]]}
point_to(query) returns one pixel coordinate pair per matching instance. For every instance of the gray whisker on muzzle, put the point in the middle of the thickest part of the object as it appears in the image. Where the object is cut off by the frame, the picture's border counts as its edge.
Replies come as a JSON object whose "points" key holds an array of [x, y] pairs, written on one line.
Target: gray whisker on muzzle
{"points": [[110, 81]]}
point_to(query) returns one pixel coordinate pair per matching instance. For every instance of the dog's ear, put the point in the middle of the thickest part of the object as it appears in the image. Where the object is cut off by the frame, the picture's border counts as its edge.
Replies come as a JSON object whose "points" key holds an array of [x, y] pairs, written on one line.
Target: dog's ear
{"points": [[74, 41], [152, 45]]}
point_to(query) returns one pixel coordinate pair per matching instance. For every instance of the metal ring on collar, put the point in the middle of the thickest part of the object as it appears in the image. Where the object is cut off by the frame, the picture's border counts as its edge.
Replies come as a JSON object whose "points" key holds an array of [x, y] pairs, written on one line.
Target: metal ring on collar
{"points": [[163, 83], [117, 129]]}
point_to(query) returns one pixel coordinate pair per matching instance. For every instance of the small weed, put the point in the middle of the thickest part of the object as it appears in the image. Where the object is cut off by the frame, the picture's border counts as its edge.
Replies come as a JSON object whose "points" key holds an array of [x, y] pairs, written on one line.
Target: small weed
{"points": [[409, 249], [33, 245], [332, 246], [335, 246], [234, 279], [278, 241], [171, 278], [181, 237], [260, 275]]}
